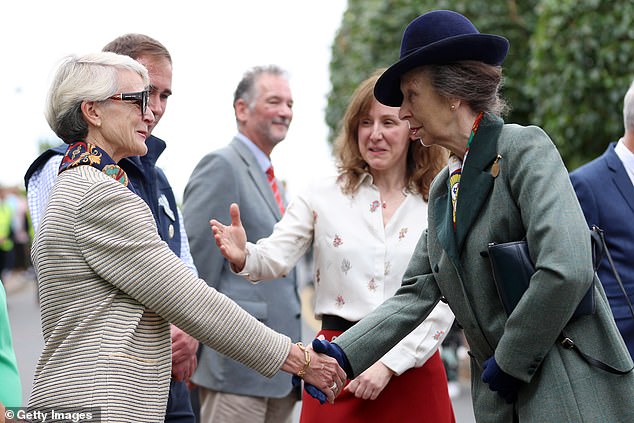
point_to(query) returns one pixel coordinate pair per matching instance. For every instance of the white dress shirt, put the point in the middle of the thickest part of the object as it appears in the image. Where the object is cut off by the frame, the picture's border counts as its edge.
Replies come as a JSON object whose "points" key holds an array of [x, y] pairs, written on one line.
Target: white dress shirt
{"points": [[627, 158], [358, 262]]}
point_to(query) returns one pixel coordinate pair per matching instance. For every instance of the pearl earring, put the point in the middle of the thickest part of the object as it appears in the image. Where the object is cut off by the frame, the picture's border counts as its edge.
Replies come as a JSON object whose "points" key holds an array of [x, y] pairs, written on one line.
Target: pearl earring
{"points": [[453, 107]]}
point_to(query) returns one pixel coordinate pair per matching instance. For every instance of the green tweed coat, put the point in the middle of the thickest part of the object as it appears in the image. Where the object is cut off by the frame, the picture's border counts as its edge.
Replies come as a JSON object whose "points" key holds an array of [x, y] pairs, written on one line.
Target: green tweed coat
{"points": [[531, 196]]}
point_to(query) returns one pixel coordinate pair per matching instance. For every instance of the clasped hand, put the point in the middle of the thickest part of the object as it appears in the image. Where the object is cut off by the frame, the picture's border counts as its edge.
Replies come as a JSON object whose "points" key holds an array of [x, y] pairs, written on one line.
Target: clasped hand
{"points": [[324, 378], [324, 347]]}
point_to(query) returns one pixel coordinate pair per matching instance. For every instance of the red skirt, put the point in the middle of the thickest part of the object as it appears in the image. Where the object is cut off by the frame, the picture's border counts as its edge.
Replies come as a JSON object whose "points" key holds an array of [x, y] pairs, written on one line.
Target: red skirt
{"points": [[418, 395]]}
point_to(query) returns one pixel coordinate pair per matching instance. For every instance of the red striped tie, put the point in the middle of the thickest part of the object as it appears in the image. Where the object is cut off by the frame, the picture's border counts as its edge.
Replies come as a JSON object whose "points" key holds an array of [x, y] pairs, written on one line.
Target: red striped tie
{"points": [[276, 192]]}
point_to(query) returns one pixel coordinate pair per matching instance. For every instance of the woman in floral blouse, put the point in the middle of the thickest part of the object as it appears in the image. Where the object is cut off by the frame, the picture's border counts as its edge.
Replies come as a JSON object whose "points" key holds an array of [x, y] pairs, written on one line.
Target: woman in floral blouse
{"points": [[363, 226]]}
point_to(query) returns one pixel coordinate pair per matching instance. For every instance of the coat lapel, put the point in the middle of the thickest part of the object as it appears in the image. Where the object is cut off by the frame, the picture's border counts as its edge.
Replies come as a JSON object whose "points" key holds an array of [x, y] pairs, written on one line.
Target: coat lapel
{"points": [[476, 181], [443, 222], [257, 176]]}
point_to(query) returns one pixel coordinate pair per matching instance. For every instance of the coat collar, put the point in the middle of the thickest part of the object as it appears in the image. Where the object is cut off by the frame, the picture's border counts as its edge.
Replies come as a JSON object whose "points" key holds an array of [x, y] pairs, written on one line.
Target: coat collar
{"points": [[476, 183], [442, 212]]}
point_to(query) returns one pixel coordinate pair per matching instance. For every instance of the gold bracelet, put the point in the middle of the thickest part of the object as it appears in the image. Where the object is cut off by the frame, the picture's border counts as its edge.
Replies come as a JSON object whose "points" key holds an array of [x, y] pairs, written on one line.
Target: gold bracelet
{"points": [[302, 372]]}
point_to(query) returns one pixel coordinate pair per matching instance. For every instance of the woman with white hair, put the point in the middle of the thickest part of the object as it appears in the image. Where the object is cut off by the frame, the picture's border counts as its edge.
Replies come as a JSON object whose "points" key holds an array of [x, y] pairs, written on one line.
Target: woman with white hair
{"points": [[108, 285]]}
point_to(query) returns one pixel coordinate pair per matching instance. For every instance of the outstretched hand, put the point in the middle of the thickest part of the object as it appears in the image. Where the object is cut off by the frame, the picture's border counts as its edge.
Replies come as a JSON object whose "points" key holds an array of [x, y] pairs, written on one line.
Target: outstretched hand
{"points": [[231, 240]]}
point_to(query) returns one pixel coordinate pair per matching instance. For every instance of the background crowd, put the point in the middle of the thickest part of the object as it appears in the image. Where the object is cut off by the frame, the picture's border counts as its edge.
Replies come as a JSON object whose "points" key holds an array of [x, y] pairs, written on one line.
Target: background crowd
{"points": [[16, 234]]}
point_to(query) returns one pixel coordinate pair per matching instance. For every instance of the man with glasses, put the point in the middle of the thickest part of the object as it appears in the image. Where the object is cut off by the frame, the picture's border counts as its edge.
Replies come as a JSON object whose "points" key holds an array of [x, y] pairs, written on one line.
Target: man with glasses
{"points": [[151, 184]]}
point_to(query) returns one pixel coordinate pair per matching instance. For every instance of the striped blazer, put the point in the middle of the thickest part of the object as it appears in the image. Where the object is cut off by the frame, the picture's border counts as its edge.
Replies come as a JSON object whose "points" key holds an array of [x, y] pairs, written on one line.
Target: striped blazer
{"points": [[108, 288]]}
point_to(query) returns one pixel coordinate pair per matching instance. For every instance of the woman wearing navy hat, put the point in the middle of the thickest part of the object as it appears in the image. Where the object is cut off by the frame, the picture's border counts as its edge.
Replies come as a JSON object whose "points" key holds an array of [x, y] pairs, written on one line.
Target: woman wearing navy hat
{"points": [[502, 183]]}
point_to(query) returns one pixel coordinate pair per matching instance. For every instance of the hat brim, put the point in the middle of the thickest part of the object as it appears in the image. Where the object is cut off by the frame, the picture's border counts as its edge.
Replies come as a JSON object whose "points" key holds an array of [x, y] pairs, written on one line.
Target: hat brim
{"points": [[487, 48]]}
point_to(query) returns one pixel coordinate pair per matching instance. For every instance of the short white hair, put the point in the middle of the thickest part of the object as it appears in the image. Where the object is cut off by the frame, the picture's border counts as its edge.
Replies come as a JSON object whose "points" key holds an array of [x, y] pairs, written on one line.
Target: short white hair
{"points": [[91, 77], [628, 109]]}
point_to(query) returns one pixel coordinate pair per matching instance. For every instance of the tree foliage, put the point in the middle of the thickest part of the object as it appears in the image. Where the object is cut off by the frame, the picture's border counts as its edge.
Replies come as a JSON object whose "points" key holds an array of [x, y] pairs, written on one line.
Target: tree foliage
{"points": [[569, 63], [369, 37], [582, 62]]}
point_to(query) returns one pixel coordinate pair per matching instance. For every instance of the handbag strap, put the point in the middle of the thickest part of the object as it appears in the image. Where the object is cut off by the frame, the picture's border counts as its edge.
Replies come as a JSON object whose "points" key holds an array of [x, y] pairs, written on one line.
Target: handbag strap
{"points": [[569, 344], [599, 248], [601, 236]]}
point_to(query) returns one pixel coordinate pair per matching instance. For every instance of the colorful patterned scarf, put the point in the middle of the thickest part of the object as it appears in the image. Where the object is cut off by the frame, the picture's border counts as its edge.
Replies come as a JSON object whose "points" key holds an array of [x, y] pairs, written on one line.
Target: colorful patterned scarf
{"points": [[455, 168], [82, 153]]}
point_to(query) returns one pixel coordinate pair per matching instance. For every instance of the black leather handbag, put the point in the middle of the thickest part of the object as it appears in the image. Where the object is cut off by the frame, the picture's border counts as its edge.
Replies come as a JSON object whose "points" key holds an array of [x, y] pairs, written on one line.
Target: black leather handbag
{"points": [[512, 270]]}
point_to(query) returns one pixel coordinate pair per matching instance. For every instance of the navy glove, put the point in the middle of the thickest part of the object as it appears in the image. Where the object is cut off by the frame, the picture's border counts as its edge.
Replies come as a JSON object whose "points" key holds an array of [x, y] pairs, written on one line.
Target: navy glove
{"points": [[333, 350], [504, 384]]}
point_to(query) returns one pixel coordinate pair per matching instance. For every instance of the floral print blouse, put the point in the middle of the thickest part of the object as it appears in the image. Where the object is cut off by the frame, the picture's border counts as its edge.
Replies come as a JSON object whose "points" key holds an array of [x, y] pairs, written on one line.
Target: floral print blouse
{"points": [[358, 263]]}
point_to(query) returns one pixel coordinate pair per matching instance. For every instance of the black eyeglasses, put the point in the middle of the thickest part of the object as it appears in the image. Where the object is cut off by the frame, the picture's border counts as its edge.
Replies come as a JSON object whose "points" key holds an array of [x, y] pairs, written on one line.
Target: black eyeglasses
{"points": [[141, 99]]}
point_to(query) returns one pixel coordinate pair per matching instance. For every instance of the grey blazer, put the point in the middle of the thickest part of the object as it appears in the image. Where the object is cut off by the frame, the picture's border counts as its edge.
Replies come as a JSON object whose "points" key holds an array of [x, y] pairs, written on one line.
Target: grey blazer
{"points": [[232, 175], [530, 196], [108, 287]]}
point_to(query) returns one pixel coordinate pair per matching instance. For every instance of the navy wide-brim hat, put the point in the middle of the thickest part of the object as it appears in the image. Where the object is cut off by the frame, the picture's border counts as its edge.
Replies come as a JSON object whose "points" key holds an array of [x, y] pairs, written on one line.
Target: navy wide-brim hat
{"points": [[438, 37]]}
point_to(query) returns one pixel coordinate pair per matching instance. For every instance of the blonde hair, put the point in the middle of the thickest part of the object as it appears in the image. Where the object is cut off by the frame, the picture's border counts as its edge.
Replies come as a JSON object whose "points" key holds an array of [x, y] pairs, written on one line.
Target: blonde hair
{"points": [[423, 163]]}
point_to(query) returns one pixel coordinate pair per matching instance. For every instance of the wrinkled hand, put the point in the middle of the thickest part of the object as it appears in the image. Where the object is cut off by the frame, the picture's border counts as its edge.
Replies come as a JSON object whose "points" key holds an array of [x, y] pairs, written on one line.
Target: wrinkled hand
{"points": [[324, 378], [184, 348], [504, 384], [325, 375], [231, 240], [369, 384], [322, 346]]}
